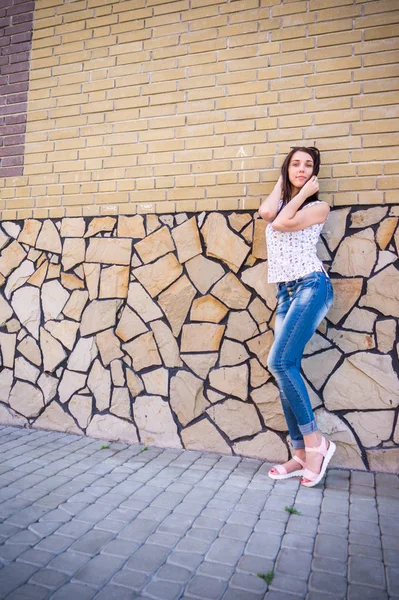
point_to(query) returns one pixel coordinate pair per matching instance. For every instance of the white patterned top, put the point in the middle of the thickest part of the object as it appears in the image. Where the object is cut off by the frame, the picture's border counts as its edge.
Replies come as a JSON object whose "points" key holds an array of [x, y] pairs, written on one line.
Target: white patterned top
{"points": [[292, 254]]}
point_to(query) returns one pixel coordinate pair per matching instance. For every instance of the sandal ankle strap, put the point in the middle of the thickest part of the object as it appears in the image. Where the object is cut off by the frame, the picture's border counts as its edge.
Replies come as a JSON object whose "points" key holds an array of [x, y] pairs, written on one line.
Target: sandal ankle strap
{"points": [[322, 449], [298, 460]]}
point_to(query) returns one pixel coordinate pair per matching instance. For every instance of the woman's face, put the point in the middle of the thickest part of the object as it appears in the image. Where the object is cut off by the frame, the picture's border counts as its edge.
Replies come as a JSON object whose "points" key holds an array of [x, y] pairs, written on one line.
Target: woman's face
{"points": [[300, 169]]}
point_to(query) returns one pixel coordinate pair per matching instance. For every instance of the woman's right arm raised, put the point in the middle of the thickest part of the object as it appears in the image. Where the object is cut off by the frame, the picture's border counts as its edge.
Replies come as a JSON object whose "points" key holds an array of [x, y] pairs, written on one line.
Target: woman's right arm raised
{"points": [[269, 207]]}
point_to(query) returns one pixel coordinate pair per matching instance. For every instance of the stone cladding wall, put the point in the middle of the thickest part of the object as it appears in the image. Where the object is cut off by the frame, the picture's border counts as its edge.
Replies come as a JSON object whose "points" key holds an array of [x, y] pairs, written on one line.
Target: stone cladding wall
{"points": [[157, 329]]}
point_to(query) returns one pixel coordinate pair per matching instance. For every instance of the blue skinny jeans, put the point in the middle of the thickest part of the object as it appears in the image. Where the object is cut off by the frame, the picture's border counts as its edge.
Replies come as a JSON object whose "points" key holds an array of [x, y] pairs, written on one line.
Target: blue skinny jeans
{"points": [[301, 306]]}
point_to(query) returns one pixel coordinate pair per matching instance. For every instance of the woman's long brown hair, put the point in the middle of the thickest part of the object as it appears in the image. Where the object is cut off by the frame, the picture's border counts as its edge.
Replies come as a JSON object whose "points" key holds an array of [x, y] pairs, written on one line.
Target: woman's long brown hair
{"points": [[287, 187]]}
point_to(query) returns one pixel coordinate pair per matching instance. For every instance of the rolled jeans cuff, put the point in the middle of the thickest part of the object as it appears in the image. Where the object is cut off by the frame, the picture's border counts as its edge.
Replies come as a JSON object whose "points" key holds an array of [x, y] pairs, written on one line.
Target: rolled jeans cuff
{"points": [[298, 444], [308, 428]]}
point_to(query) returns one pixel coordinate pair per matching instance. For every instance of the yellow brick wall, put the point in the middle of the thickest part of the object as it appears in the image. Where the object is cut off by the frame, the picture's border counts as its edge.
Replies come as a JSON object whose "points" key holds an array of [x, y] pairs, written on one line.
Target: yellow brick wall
{"points": [[190, 105]]}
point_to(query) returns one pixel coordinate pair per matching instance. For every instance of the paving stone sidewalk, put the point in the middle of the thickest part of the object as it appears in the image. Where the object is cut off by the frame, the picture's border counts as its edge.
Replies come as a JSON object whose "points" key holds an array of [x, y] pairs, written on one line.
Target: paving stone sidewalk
{"points": [[82, 519]]}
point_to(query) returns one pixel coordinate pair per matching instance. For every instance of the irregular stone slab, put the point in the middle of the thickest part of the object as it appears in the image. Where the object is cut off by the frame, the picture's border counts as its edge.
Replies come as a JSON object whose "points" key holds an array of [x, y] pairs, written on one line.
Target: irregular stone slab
{"points": [[99, 383], [13, 326], [56, 419], [222, 243], [53, 271], [26, 305], [370, 216], [256, 278], [214, 396], [385, 460], [335, 227], [167, 344], [131, 227], [114, 282], [385, 232], [187, 240], [180, 218], [73, 227], [266, 446], [241, 326], [92, 276], [142, 303], [239, 220], [6, 381], [26, 399], [385, 258], [11, 257], [111, 251], [203, 272], [348, 452], [248, 233], [81, 408], [360, 320], [120, 403], [112, 429], [100, 224], [231, 292], [204, 436], [259, 375], [99, 315], [383, 292], [48, 384], [363, 381], [155, 422], [267, 399], [74, 307], [159, 275], [364, 423], [316, 343], [53, 353], [208, 308], [318, 367], [232, 353], [386, 335], [65, 331], [129, 325], [19, 277], [11, 228], [109, 346], [231, 380], [5, 311], [134, 383], [346, 293], [156, 382], [322, 251], [186, 396], [201, 337], [237, 419], [176, 302], [49, 238], [39, 275], [348, 341], [153, 223], [260, 346], [118, 377], [259, 249], [143, 351], [54, 298], [155, 245], [9, 417], [7, 347], [356, 255], [71, 282], [70, 383], [201, 364], [73, 252], [3, 239], [83, 355]]}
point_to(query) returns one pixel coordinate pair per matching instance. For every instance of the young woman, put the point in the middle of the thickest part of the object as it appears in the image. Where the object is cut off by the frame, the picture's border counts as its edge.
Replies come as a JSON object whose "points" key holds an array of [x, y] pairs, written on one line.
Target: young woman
{"points": [[295, 219]]}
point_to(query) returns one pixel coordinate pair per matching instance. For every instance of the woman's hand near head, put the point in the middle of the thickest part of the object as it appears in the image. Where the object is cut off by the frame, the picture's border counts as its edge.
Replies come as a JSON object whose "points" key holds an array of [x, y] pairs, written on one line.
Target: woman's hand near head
{"points": [[311, 187]]}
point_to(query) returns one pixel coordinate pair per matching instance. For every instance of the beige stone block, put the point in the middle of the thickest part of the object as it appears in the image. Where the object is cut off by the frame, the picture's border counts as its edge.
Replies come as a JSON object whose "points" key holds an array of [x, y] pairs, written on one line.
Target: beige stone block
{"points": [[65, 331], [187, 240], [385, 460], [259, 249], [372, 427], [383, 292], [187, 396], [208, 308], [232, 353], [385, 232], [99, 224], [70, 383], [117, 374], [231, 292], [384, 258], [71, 282], [204, 436], [237, 419], [5, 311], [259, 375], [114, 282], [241, 326], [3, 239], [129, 325], [11, 257], [347, 454], [39, 275], [214, 396], [81, 408], [30, 349], [260, 346], [73, 227], [7, 346], [335, 226], [49, 238], [176, 302], [360, 320], [201, 337], [203, 272], [13, 326], [167, 344], [356, 255], [318, 367], [18, 277], [99, 383], [9, 417], [256, 277], [92, 276], [267, 399], [231, 381], [111, 251], [155, 422], [120, 403], [386, 335], [109, 346], [53, 352], [370, 216], [26, 304], [74, 307], [159, 275], [112, 429], [99, 315], [26, 399], [83, 355], [142, 303], [266, 446], [53, 271], [316, 343], [134, 383], [48, 384], [73, 252], [25, 370], [248, 233], [55, 419], [222, 243], [143, 351], [29, 232], [200, 364], [156, 382], [152, 223], [239, 220], [346, 293], [349, 341], [155, 245], [132, 227], [54, 298]]}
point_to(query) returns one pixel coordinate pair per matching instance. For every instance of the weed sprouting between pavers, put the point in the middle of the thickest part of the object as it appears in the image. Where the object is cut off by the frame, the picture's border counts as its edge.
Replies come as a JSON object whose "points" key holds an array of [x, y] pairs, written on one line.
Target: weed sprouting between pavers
{"points": [[268, 577], [291, 510]]}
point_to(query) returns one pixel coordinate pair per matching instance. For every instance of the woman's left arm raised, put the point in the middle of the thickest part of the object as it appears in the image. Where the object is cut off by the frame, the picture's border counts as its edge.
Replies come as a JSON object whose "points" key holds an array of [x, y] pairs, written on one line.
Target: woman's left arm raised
{"points": [[291, 218]]}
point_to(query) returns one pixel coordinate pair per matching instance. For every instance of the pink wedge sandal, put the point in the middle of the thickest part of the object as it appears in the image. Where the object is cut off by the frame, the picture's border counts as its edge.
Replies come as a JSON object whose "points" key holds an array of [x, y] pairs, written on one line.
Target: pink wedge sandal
{"points": [[282, 472], [327, 452]]}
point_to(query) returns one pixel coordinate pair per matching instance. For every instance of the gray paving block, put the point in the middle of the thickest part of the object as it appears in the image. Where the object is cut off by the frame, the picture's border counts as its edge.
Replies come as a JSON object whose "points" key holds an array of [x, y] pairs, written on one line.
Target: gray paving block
{"points": [[288, 558], [361, 592], [68, 562], [191, 509], [300, 524], [374, 552], [362, 478], [189, 560], [115, 592], [205, 587], [170, 572], [391, 558], [265, 526], [365, 528], [366, 572], [163, 590], [49, 578], [288, 585], [75, 591], [217, 570], [13, 576], [335, 505], [331, 546], [254, 564], [226, 551], [237, 594], [301, 542], [176, 524], [362, 512], [263, 546], [329, 565], [54, 543], [138, 530], [163, 539], [9, 552], [110, 525], [393, 581], [390, 542], [148, 558], [94, 513], [29, 592], [248, 583], [91, 542], [154, 513], [98, 570], [194, 544], [336, 585], [74, 529], [134, 580]]}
